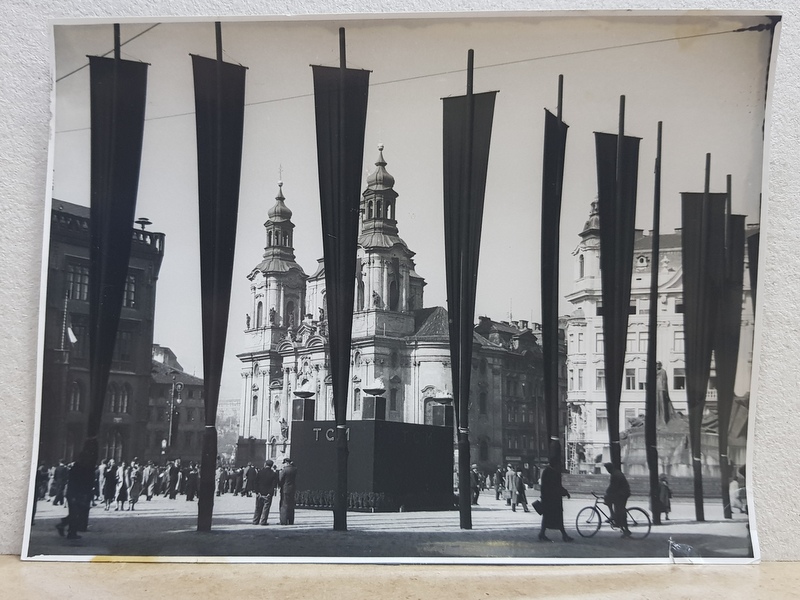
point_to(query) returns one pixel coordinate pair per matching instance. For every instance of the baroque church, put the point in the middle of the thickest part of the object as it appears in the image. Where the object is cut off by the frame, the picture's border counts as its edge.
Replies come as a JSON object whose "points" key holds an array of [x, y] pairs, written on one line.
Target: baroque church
{"points": [[398, 345]]}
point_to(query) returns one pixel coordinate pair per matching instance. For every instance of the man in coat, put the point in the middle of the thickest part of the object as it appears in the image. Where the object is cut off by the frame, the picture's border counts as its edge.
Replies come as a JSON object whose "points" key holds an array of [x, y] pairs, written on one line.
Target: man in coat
{"points": [[512, 483], [552, 501], [266, 481], [249, 479], [60, 476], [286, 479], [174, 470], [474, 483], [616, 497], [149, 479], [80, 491]]}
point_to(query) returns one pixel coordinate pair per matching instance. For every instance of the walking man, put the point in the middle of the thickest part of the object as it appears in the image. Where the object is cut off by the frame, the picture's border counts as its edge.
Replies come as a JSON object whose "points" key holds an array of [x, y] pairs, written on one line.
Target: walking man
{"points": [[266, 480], [286, 480]]}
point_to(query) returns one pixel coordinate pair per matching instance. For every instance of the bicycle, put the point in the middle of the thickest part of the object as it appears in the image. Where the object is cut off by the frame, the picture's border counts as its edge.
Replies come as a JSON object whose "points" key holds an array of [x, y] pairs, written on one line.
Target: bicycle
{"points": [[590, 518]]}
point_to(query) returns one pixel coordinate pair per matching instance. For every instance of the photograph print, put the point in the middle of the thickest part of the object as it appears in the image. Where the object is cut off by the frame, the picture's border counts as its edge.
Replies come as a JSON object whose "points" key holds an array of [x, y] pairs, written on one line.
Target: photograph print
{"points": [[427, 289]]}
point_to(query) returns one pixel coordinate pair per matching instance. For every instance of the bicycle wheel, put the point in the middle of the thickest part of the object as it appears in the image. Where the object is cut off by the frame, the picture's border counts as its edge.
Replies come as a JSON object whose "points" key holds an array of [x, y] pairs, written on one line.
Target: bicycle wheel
{"points": [[638, 523], [588, 521]]}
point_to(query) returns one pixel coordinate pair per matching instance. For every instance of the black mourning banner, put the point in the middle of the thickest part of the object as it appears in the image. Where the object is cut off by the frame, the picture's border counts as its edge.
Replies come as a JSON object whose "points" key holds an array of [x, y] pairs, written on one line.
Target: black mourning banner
{"points": [[726, 345], [467, 133], [703, 222], [616, 204], [219, 112], [340, 105], [555, 144], [752, 263], [118, 93]]}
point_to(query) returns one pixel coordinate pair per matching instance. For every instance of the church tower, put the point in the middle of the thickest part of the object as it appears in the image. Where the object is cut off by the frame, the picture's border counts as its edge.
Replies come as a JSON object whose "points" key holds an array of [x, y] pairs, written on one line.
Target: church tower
{"points": [[388, 289], [277, 307]]}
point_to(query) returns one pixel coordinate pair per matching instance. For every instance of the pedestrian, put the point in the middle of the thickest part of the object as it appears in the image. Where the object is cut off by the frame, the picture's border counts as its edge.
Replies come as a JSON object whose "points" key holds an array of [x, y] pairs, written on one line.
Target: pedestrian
{"points": [[664, 495], [286, 480], [40, 489], [192, 480], [149, 480], [79, 493], [101, 478], [249, 479], [60, 477], [110, 483], [474, 483], [122, 486], [553, 492], [266, 481], [616, 497], [511, 483], [134, 484], [521, 496], [498, 481], [173, 471]]}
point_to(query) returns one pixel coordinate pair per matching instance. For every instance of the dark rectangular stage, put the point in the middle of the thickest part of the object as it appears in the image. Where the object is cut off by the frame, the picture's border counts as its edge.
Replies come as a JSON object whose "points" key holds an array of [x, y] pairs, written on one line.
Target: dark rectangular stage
{"points": [[392, 466]]}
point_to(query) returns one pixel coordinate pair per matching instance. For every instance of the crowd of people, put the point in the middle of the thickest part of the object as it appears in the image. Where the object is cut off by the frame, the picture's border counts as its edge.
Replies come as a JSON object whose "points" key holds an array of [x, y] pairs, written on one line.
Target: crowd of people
{"points": [[83, 484]]}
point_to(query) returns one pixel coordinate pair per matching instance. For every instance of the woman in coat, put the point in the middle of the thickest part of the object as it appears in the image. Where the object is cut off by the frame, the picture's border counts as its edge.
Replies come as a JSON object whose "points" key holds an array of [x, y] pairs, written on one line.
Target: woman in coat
{"points": [[110, 483], [122, 486], [552, 503]]}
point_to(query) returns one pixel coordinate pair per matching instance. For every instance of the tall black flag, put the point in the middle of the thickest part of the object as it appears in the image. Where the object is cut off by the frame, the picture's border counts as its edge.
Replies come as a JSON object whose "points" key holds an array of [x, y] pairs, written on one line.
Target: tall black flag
{"points": [[703, 222], [726, 345], [118, 92], [617, 178], [219, 113], [467, 133], [555, 144], [340, 104]]}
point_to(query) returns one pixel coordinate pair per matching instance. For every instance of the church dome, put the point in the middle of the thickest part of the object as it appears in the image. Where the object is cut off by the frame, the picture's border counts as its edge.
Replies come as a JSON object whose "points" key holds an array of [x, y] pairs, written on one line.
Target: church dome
{"points": [[279, 212], [380, 179]]}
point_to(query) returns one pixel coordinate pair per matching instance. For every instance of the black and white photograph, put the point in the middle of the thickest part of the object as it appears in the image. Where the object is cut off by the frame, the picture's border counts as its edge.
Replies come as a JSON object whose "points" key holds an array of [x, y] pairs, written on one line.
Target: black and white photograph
{"points": [[402, 289]]}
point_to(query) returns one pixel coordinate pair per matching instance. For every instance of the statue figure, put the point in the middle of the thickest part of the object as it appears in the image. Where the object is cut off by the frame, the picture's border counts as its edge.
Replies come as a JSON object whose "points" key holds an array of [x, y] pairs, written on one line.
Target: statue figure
{"points": [[272, 315], [376, 299], [664, 409], [321, 314], [247, 320], [284, 428], [291, 320]]}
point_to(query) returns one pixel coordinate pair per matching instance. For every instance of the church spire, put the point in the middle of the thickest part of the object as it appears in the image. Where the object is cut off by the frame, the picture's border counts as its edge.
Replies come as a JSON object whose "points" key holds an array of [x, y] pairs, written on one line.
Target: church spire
{"points": [[279, 251], [378, 223]]}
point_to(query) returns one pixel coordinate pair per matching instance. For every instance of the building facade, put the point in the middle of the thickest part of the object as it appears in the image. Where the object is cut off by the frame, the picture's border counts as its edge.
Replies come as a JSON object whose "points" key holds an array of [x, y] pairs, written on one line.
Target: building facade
{"points": [[587, 416], [65, 368], [175, 417], [398, 345]]}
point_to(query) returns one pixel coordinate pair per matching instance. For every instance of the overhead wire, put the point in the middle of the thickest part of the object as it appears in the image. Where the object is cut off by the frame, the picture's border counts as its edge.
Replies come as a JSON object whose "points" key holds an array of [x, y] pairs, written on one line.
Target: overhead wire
{"points": [[760, 27]]}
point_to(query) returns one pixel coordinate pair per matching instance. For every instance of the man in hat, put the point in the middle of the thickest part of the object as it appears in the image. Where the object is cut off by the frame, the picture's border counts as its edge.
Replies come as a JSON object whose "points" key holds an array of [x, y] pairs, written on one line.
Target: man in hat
{"points": [[475, 483], [616, 497], [286, 480], [266, 480]]}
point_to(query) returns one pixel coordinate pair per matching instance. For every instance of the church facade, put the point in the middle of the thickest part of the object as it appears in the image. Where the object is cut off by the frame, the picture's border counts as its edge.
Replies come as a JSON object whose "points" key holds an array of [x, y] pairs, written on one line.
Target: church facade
{"points": [[398, 345], [587, 416]]}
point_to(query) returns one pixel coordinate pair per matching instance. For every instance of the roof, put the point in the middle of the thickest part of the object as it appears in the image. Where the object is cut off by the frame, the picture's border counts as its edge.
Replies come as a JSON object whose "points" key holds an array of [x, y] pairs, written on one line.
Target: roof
{"points": [[667, 241], [73, 209], [431, 322], [162, 374]]}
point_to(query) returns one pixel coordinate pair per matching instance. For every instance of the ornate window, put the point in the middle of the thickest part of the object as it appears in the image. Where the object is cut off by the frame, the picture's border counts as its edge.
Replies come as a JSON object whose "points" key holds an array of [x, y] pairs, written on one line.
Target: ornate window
{"points": [[75, 396], [129, 296], [78, 282]]}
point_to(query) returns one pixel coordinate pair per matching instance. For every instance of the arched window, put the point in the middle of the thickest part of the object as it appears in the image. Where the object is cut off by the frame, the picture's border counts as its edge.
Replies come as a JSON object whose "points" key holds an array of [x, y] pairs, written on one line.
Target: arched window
{"points": [[484, 450], [379, 209], [290, 320], [76, 397], [482, 403], [390, 210], [369, 209], [359, 295], [269, 239], [356, 399], [394, 296], [285, 239], [255, 405], [113, 395], [581, 267], [125, 394], [259, 315], [273, 448]]}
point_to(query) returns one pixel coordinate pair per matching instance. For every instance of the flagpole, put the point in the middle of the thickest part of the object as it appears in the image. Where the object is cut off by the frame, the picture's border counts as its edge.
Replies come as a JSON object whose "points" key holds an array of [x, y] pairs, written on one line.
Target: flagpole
{"points": [[464, 491], [613, 415], [651, 393], [342, 449], [722, 435]]}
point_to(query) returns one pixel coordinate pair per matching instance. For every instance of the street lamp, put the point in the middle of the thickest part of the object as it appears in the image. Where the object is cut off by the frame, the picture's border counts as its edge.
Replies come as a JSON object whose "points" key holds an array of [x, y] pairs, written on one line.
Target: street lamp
{"points": [[174, 416]]}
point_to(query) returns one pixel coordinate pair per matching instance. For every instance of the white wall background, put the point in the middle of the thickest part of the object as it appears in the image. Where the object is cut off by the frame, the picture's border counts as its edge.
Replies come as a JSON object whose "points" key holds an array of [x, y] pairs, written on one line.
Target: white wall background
{"points": [[24, 135]]}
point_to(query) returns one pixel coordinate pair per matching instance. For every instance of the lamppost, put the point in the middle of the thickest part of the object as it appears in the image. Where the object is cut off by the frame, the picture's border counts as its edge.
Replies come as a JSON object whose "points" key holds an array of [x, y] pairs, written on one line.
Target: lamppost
{"points": [[174, 417]]}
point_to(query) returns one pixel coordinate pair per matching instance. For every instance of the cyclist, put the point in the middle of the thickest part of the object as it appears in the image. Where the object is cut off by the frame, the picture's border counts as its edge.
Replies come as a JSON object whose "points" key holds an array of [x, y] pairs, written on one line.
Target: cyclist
{"points": [[616, 497]]}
